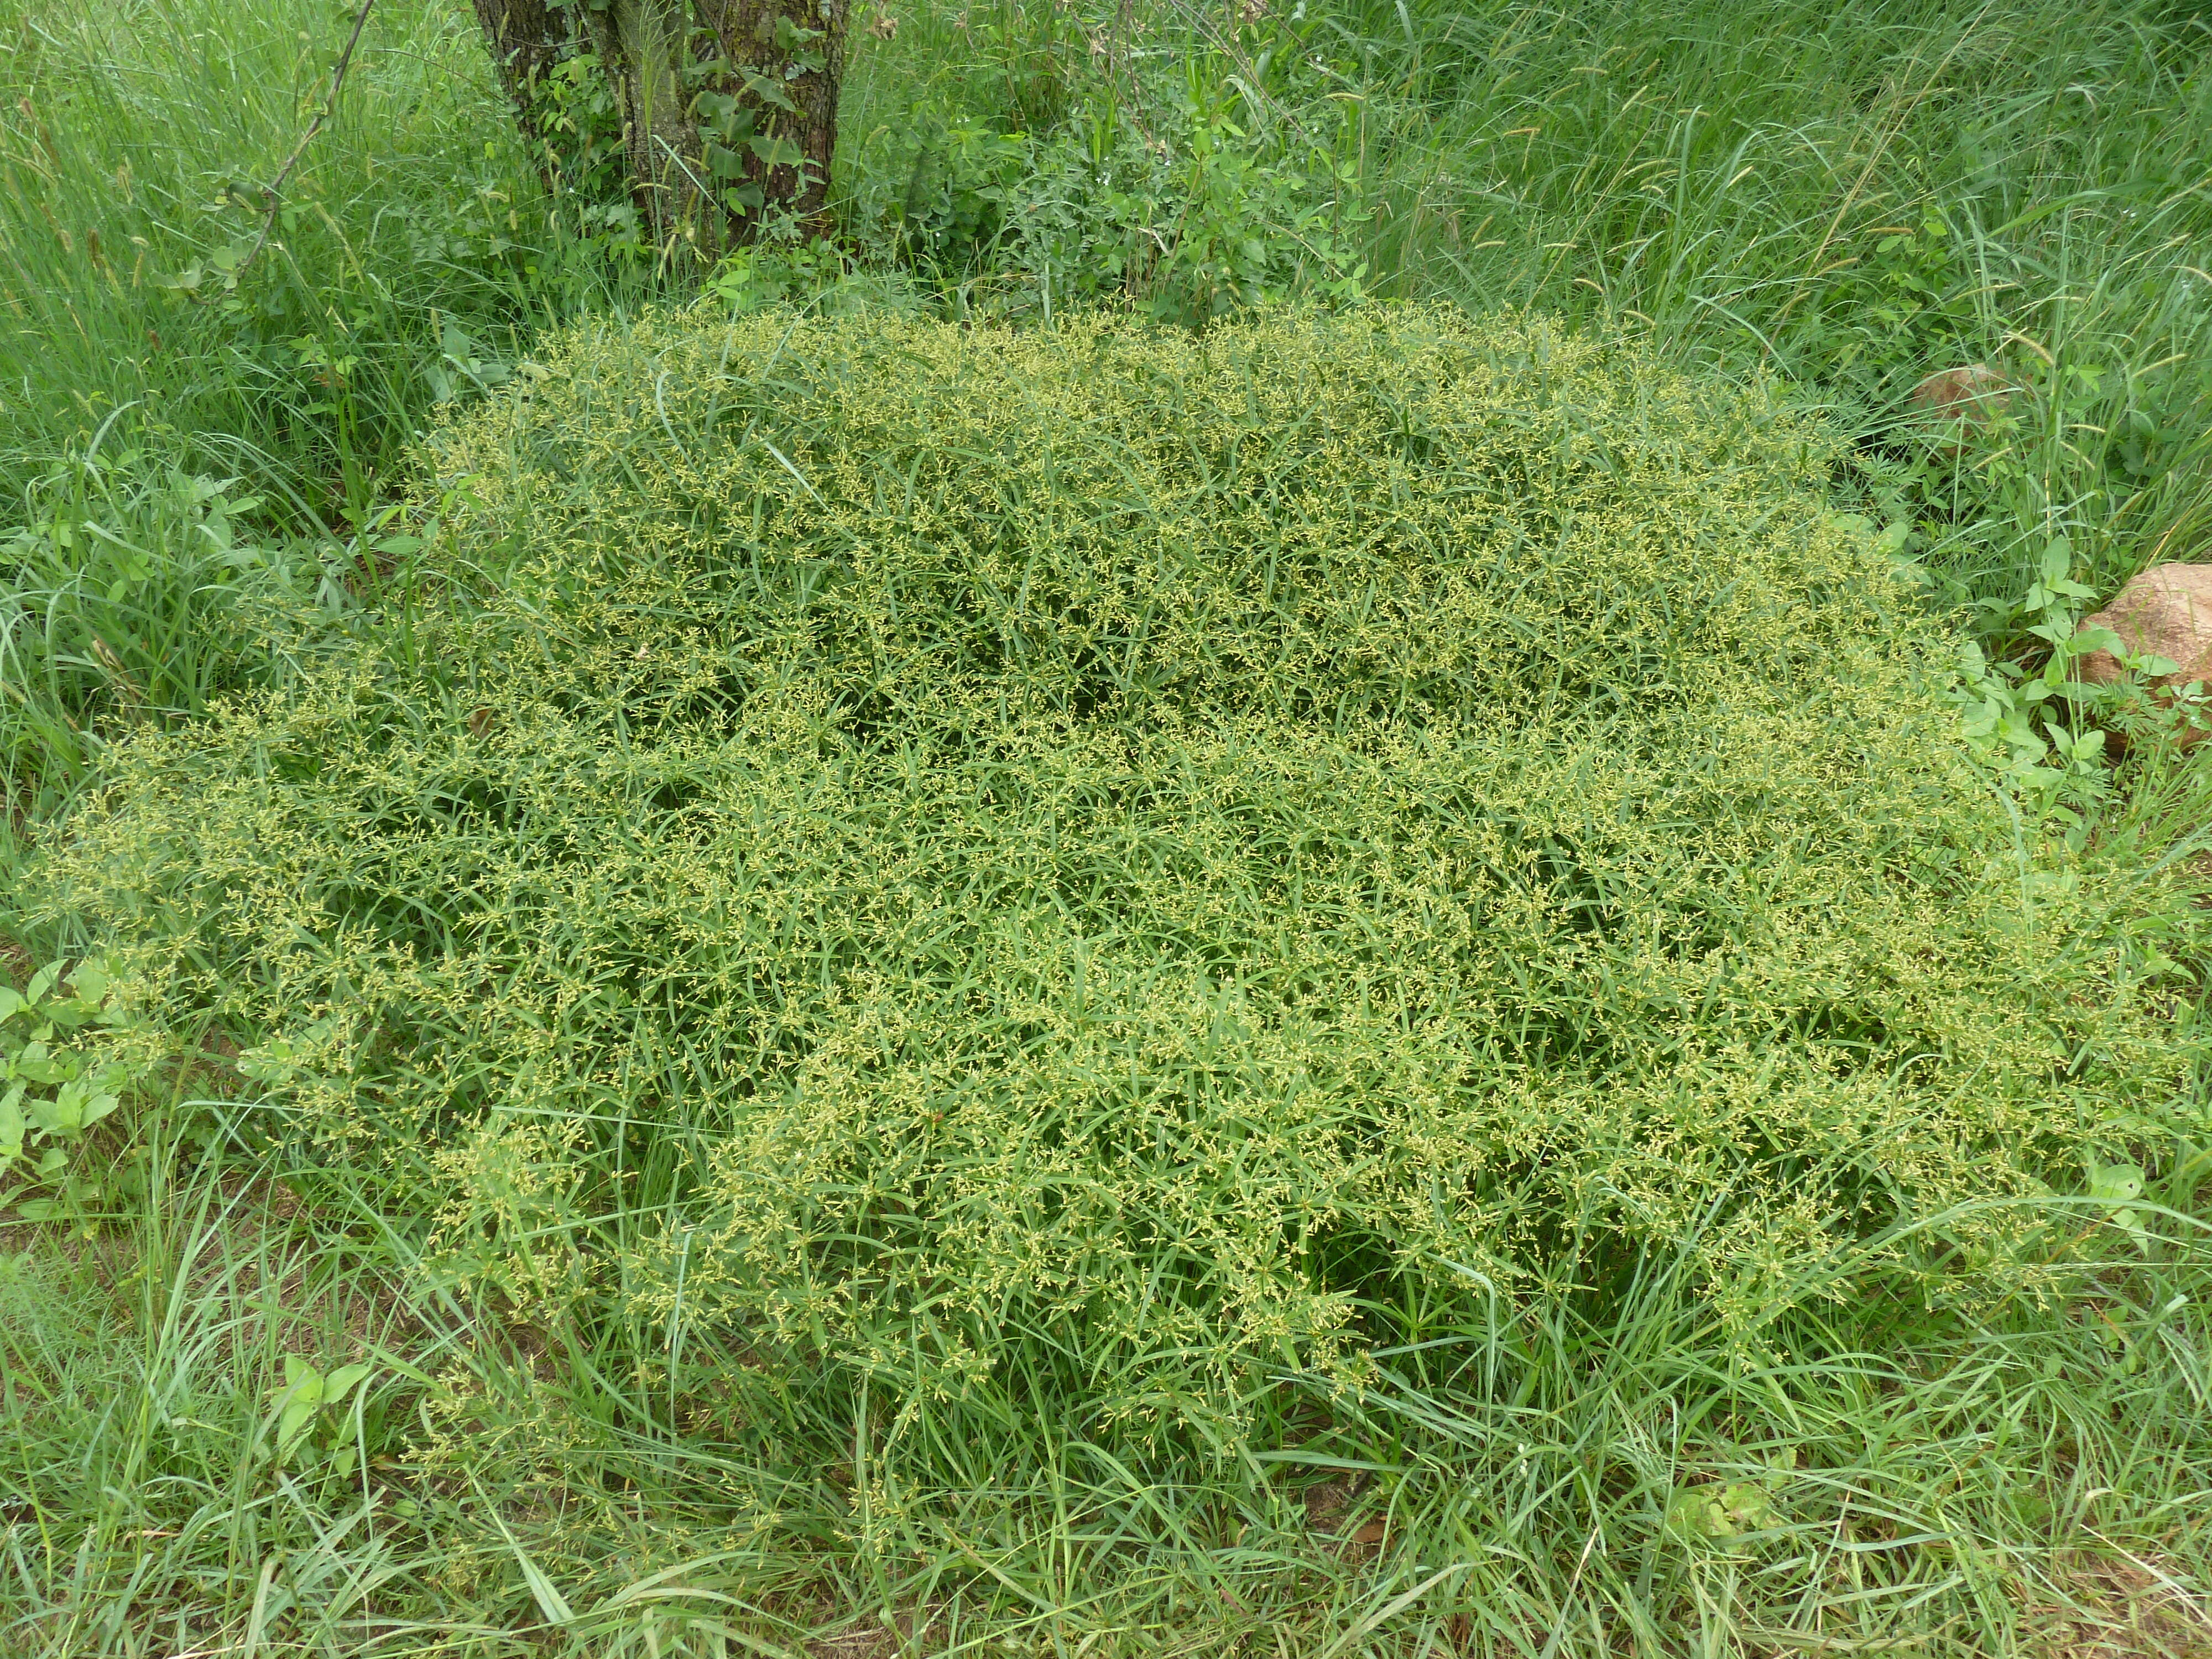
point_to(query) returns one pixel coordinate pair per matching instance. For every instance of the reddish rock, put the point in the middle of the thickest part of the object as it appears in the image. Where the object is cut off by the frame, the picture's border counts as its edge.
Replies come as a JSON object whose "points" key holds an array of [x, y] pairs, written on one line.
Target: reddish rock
{"points": [[1968, 395], [2165, 612]]}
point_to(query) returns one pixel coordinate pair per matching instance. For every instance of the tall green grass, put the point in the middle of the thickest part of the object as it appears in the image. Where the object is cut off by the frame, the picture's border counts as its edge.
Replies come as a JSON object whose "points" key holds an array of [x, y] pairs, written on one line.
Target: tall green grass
{"points": [[193, 446], [2035, 1485], [1841, 198], [1851, 197], [1848, 198], [134, 146]]}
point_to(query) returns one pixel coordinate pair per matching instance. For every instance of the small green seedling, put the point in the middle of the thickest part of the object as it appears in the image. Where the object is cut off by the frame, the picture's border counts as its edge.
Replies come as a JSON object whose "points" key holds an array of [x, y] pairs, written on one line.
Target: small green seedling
{"points": [[308, 1397], [2010, 715], [1726, 1512], [1721, 1512], [54, 1088]]}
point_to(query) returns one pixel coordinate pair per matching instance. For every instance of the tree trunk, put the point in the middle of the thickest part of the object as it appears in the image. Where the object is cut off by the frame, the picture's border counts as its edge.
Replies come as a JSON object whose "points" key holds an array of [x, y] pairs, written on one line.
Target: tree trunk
{"points": [[785, 64], [526, 39], [713, 144]]}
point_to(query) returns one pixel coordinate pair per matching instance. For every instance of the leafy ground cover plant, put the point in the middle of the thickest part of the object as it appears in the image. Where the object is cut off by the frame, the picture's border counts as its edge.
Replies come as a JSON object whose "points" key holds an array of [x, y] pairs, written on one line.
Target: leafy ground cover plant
{"points": [[558, 1446], [58, 1081], [1180, 899]]}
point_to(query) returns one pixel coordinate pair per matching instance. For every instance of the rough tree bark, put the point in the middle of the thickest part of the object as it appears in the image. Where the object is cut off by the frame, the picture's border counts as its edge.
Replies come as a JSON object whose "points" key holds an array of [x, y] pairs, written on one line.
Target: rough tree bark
{"points": [[795, 48], [729, 107], [527, 37]]}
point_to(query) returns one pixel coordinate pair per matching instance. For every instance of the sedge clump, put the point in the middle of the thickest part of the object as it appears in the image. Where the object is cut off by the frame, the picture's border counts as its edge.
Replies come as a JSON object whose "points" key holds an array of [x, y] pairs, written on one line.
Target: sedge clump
{"points": [[1135, 866]]}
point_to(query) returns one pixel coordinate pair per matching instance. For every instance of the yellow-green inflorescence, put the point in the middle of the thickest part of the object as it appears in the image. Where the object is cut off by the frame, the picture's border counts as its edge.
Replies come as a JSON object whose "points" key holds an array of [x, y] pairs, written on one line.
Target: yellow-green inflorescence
{"points": [[1144, 851]]}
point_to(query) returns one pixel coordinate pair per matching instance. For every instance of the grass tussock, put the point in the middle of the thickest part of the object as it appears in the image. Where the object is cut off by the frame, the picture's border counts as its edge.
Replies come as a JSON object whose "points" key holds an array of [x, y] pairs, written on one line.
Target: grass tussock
{"points": [[839, 985], [1186, 863]]}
